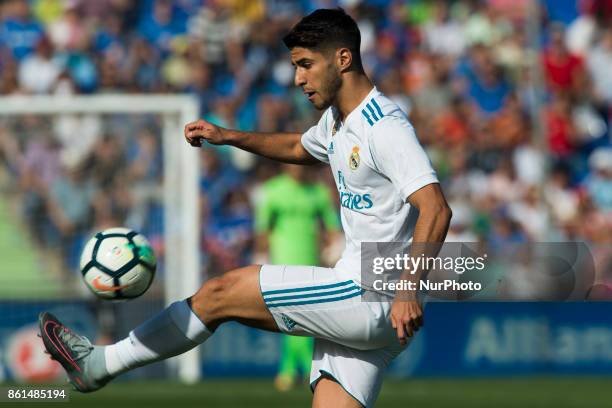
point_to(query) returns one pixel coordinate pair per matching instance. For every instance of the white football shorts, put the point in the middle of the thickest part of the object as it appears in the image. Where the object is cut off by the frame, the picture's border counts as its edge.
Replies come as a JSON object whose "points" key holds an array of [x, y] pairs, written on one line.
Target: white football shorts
{"points": [[354, 340]]}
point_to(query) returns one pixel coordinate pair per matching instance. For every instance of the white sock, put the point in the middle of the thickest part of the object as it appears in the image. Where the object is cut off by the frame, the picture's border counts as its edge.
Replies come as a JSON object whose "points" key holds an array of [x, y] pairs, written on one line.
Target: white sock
{"points": [[172, 332]]}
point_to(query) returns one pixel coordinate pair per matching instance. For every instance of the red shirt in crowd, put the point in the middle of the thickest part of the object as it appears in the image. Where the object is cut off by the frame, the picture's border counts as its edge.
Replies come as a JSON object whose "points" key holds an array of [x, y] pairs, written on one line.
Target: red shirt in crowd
{"points": [[560, 133], [562, 70]]}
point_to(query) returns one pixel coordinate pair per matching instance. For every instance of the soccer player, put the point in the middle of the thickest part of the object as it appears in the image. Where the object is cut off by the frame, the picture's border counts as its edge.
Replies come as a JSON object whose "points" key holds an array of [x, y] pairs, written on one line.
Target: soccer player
{"points": [[388, 192], [288, 214]]}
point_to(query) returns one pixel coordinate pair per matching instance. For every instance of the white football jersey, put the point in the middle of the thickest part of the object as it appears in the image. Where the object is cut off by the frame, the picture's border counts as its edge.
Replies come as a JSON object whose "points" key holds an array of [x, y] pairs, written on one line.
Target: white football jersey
{"points": [[377, 162]]}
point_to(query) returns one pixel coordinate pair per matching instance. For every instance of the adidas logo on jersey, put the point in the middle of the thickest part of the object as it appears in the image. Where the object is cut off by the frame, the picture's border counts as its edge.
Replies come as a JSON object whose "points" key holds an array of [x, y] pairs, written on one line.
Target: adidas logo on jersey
{"points": [[330, 149], [289, 322]]}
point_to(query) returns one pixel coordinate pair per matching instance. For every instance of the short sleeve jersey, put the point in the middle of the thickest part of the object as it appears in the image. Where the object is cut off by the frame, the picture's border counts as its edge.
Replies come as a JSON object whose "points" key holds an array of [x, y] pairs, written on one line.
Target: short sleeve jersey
{"points": [[377, 162]]}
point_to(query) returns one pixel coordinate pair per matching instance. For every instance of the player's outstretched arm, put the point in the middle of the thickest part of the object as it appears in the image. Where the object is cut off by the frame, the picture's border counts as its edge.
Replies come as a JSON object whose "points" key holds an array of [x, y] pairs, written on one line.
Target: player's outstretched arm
{"points": [[284, 147]]}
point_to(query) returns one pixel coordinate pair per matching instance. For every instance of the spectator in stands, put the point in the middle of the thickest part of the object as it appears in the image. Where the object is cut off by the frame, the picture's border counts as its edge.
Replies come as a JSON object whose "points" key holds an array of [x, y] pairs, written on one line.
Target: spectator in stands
{"points": [[161, 25], [560, 126], [599, 61], [599, 183], [19, 32], [564, 71], [444, 35], [39, 71], [69, 208], [489, 88], [69, 32]]}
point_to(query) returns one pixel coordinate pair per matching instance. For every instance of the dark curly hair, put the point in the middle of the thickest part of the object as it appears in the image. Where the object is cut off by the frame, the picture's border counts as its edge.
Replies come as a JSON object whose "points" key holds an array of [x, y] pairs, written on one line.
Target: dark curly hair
{"points": [[325, 30]]}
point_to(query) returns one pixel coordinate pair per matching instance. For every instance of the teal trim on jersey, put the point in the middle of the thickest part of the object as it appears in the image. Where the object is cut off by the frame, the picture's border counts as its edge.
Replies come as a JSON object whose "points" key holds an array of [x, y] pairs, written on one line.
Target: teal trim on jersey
{"points": [[309, 295], [377, 107], [371, 109], [327, 374], [367, 117], [312, 302], [307, 288], [374, 114]]}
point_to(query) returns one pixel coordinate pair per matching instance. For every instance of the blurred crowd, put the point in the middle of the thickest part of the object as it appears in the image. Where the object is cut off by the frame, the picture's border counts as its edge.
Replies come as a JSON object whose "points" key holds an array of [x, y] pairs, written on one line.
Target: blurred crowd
{"points": [[511, 98], [66, 187]]}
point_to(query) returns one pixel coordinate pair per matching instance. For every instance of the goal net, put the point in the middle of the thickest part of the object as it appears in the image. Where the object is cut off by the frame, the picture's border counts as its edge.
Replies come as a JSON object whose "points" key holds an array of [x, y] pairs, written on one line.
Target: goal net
{"points": [[73, 165]]}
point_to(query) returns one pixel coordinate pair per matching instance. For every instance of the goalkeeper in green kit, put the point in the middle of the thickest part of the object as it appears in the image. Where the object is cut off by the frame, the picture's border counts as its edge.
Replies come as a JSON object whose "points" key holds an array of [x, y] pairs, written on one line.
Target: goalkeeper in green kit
{"points": [[289, 217]]}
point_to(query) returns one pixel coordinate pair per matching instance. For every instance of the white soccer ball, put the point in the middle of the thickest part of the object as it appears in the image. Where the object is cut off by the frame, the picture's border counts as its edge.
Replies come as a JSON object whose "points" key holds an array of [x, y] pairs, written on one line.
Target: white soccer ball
{"points": [[118, 263]]}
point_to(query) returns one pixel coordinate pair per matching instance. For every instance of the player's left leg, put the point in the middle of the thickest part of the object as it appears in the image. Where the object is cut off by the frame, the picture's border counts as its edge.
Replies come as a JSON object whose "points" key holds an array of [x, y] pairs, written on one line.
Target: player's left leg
{"points": [[180, 327], [234, 296]]}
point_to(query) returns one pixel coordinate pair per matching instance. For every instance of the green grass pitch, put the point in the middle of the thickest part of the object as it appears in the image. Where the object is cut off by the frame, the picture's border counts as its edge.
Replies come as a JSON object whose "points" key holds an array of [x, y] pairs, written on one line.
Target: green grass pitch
{"points": [[579, 392]]}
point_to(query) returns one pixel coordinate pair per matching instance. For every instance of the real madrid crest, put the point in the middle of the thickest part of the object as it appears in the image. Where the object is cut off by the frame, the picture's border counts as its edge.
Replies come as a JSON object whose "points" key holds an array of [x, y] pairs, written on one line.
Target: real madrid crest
{"points": [[354, 158]]}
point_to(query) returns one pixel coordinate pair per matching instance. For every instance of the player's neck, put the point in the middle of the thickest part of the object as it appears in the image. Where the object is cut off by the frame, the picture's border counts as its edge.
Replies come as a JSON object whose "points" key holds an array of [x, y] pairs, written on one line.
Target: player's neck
{"points": [[353, 91]]}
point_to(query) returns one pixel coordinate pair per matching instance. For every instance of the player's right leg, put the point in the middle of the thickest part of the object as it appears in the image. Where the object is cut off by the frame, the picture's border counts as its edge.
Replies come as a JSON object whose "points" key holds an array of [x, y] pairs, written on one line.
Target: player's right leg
{"points": [[180, 327]]}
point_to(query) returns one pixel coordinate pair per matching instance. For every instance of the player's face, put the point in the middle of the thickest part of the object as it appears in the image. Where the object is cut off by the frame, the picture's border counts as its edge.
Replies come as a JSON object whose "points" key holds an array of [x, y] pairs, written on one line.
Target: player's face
{"points": [[317, 75]]}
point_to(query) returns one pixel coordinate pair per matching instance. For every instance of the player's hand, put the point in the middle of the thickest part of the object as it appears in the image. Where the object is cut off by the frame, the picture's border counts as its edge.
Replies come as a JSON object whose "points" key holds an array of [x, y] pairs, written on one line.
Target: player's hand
{"points": [[201, 130], [406, 318]]}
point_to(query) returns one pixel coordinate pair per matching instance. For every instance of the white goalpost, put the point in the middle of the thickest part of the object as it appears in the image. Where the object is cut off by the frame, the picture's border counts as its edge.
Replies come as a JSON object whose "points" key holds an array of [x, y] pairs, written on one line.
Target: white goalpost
{"points": [[180, 179]]}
